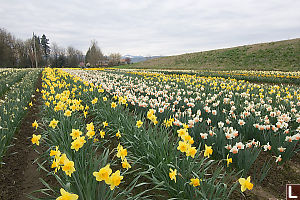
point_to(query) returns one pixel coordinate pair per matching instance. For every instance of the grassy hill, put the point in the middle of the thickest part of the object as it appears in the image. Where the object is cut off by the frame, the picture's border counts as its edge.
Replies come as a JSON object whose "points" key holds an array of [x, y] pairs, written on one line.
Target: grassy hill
{"points": [[281, 55]]}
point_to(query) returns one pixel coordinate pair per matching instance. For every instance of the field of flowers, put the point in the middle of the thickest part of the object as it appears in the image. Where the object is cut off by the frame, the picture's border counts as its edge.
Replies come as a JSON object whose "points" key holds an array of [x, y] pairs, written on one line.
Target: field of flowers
{"points": [[110, 134]]}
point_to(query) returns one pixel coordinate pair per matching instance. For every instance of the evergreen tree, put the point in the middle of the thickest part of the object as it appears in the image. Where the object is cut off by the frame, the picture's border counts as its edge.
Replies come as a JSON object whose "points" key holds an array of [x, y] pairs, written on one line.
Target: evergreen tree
{"points": [[45, 47], [94, 55]]}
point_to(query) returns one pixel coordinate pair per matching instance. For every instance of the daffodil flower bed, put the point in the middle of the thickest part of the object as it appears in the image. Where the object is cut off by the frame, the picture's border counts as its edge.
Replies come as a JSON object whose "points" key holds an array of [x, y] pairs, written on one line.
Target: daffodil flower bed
{"points": [[8, 79], [76, 153], [238, 117], [14, 105], [187, 136]]}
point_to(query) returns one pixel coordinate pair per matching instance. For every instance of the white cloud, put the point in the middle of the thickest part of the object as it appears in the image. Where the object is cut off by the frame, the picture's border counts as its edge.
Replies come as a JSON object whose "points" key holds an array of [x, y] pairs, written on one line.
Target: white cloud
{"points": [[153, 27]]}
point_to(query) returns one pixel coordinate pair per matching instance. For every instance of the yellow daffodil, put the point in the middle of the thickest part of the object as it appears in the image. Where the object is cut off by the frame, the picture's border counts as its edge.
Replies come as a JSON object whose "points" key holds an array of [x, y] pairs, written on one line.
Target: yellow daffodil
{"points": [[173, 174], [36, 139], [102, 134], [183, 146], [35, 124], [114, 180], [53, 123], [75, 133], [90, 134], [103, 173], [66, 195], [68, 113], [113, 105], [68, 167], [47, 103], [125, 164], [191, 151], [118, 134], [182, 132], [95, 100], [208, 151], [62, 159], [139, 123], [229, 160], [90, 127], [78, 143], [55, 164], [185, 126], [85, 113], [121, 152], [195, 182], [245, 184], [105, 124], [55, 152]]}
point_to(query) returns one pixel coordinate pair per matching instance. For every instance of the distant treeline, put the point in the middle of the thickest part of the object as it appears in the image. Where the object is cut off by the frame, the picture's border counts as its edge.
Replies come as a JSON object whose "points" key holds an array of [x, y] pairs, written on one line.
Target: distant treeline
{"points": [[38, 52], [35, 52]]}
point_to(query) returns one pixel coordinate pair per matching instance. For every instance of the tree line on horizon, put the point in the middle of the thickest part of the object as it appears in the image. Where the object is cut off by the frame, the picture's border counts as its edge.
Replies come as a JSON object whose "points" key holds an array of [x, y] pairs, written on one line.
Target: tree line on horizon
{"points": [[37, 52]]}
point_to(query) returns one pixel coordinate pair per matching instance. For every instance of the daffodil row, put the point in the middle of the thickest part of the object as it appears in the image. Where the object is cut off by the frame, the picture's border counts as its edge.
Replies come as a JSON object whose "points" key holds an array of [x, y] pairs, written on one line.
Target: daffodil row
{"points": [[7, 80], [74, 142], [15, 96]]}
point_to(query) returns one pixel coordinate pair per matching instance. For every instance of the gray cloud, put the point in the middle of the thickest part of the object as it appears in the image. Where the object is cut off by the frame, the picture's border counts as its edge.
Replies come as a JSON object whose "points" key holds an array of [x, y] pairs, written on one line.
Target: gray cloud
{"points": [[153, 27]]}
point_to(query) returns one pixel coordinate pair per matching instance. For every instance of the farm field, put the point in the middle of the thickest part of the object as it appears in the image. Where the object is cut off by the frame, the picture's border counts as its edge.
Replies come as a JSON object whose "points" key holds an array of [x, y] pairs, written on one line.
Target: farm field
{"points": [[148, 134]]}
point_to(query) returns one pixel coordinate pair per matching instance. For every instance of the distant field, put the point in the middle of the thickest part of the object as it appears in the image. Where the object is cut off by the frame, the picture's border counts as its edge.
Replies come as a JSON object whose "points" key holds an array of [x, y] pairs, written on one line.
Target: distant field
{"points": [[282, 55]]}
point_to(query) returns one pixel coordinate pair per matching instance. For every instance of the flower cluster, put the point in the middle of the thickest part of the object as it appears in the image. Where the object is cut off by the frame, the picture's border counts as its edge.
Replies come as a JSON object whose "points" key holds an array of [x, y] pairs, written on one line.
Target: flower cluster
{"points": [[61, 161], [111, 179]]}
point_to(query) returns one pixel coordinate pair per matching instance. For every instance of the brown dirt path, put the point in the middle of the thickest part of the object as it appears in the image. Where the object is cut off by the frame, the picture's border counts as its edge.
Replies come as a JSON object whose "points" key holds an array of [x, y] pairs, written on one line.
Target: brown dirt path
{"points": [[20, 176]]}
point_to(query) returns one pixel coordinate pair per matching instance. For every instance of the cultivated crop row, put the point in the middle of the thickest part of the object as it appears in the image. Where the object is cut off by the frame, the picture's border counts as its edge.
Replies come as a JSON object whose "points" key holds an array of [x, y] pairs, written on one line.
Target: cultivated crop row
{"points": [[14, 103]]}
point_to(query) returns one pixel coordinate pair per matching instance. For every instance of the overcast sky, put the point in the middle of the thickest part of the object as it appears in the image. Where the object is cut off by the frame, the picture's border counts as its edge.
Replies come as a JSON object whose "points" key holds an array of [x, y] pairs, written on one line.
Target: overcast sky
{"points": [[153, 27]]}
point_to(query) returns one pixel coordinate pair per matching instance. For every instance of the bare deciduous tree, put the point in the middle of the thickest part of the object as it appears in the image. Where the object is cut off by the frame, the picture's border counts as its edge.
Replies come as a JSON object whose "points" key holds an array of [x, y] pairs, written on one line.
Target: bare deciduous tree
{"points": [[114, 59]]}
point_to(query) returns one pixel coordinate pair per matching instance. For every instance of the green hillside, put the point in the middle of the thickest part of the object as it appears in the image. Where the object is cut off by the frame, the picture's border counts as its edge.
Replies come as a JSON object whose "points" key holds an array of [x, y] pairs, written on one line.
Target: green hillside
{"points": [[281, 55]]}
